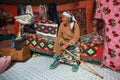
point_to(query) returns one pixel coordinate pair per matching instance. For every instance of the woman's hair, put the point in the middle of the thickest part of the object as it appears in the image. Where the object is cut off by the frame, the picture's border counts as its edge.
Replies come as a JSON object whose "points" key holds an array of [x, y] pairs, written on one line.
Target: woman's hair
{"points": [[69, 15]]}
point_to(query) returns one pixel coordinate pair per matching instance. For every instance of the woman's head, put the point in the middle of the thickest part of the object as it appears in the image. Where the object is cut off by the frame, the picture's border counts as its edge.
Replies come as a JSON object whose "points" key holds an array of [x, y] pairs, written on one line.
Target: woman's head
{"points": [[66, 17]]}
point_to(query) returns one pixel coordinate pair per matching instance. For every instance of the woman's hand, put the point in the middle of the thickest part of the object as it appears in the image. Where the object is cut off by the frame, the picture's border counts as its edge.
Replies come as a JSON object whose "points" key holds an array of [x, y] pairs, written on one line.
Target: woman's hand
{"points": [[65, 45]]}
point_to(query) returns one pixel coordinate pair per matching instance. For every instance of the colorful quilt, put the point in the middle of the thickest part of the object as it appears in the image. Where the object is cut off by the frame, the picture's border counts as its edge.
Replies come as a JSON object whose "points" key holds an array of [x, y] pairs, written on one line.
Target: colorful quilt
{"points": [[92, 54], [92, 48], [40, 44], [43, 40], [46, 28], [94, 38]]}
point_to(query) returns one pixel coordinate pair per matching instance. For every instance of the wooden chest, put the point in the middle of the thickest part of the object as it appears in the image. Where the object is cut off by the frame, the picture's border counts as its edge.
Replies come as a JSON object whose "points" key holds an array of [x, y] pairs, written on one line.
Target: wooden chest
{"points": [[5, 43], [16, 55]]}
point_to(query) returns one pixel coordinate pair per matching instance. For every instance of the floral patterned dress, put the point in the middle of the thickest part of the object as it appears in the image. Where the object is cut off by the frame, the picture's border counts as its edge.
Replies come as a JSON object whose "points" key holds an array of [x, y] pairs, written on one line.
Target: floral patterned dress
{"points": [[109, 11]]}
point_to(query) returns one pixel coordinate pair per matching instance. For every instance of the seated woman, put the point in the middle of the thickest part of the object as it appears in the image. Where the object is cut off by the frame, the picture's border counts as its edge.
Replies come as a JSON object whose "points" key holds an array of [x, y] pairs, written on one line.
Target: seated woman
{"points": [[68, 36]]}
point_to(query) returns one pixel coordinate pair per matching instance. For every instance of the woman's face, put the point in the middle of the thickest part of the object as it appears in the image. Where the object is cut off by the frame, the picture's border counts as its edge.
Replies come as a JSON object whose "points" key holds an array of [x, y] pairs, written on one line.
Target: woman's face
{"points": [[65, 19]]}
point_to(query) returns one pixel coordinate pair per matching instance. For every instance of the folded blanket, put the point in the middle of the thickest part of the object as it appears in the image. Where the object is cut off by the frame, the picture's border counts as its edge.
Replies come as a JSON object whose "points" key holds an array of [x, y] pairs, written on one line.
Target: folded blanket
{"points": [[4, 63]]}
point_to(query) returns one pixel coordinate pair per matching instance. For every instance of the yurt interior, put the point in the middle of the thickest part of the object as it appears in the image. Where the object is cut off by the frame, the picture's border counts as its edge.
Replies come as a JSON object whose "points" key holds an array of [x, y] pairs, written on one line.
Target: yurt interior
{"points": [[59, 39]]}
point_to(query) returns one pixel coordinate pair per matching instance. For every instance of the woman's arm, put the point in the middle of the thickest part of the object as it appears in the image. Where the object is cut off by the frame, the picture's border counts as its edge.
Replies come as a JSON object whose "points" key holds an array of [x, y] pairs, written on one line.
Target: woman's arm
{"points": [[59, 37], [76, 35]]}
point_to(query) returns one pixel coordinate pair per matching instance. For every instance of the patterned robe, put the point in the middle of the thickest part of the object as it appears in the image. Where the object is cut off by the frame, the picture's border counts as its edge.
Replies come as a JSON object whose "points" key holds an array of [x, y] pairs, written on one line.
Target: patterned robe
{"points": [[109, 11]]}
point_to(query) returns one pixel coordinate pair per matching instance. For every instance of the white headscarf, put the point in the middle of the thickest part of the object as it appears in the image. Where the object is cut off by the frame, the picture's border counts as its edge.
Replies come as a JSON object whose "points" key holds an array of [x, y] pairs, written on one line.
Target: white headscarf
{"points": [[73, 20]]}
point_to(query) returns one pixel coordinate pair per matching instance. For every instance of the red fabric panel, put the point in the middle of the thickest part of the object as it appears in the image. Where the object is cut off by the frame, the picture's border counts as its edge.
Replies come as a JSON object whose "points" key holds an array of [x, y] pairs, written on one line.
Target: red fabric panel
{"points": [[16, 26], [14, 11]]}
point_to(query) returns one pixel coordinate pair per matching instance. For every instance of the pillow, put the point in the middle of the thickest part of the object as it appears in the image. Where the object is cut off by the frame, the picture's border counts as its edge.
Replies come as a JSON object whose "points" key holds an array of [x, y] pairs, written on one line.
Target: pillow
{"points": [[25, 19], [43, 41], [4, 63], [92, 54], [46, 28], [92, 47], [40, 45], [94, 38]]}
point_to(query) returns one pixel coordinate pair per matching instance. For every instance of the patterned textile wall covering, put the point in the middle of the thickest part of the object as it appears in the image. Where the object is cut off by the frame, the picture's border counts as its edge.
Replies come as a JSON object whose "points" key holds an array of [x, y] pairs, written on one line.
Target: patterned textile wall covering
{"points": [[87, 4], [11, 8]]}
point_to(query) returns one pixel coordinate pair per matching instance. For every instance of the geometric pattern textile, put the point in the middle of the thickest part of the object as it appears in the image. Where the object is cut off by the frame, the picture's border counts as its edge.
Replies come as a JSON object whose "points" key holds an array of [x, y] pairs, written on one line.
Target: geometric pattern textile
{"points": [[94, 38], [92, 46], [90, 51], [46, 28], [92, 54], [40, 44], [43, 40]]}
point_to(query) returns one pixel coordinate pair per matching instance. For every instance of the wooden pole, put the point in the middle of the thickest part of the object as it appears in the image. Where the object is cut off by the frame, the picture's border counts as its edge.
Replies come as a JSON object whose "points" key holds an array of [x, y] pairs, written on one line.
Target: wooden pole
{"points": [[88, 67]]}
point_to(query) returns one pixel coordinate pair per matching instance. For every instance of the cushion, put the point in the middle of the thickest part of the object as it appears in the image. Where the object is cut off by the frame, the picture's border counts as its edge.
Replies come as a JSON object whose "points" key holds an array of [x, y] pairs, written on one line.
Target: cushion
{"points": [[43, 41], [25, 19], [92, 48], [92, 54], [40, 45], [94, 38], [46, 28], [4, 63]]}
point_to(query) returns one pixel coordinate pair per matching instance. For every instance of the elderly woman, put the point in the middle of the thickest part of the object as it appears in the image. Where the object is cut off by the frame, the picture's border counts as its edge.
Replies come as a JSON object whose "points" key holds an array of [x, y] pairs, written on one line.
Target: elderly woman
{"points": [[68, 36]]}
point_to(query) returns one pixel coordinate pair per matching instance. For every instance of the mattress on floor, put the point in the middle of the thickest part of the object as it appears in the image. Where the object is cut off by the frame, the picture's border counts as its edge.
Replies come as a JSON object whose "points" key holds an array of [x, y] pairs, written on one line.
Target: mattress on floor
{"points": [[38, 69]]}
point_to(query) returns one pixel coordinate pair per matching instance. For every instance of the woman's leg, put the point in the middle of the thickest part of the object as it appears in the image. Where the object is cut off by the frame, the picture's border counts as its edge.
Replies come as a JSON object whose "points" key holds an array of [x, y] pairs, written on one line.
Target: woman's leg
{"points": [[55, 63], [75, 66], [74, 49], [58, 50]]}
